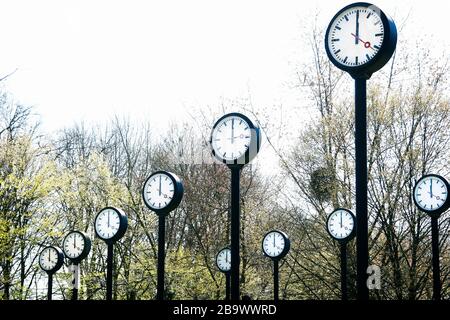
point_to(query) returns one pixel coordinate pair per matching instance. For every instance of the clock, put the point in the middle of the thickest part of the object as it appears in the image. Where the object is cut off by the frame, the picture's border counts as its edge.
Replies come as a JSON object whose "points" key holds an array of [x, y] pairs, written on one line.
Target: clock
{"points": [[235, 140], [76, 246], [360, 39], [162, 192], [430, 194], [223, 260], [276, 244], [110, 224], [341, 225], [51, 259]]}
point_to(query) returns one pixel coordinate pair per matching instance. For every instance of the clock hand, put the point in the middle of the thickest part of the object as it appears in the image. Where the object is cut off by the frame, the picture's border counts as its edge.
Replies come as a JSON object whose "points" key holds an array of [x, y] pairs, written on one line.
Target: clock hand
{"points": [[341, 219], [108, 219], [366, 43], [431, 188], [74, 242], [357, 27], [159, 185], [232, 130]]}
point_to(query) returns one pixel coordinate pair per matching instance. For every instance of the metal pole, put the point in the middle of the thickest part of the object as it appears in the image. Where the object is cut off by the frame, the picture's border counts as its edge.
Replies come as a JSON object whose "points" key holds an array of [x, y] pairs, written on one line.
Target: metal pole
{"points": [[344, 271], [275, 280], [235, 234], [49, 287], [109, 271], [227, 286], [75, 273], [362, 255], [435, 250], [161, 257]]}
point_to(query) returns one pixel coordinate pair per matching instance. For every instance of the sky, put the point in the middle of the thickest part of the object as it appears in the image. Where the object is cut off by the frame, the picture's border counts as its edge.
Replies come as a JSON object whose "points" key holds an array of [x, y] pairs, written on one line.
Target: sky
{"points": [[155, 60]]}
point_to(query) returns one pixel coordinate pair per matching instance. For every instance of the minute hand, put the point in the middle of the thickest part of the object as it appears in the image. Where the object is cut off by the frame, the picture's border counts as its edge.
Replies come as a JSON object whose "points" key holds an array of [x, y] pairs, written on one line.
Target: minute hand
{"points": [[357, 27]]}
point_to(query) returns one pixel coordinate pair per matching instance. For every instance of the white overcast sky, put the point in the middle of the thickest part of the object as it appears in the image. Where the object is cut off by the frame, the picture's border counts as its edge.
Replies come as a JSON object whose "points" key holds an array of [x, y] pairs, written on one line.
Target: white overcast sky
{"points": [[89, 60]]}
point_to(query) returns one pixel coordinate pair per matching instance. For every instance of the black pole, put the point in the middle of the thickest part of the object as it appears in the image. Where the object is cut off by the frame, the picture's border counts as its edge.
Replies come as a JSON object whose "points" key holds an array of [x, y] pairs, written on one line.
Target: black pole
{"points": [[362, 248], [74, 282], [109, 271], [435, 250], [49, 287], [275, 280], [344, 271], [235, 234], [161, 257], [227, 286]]}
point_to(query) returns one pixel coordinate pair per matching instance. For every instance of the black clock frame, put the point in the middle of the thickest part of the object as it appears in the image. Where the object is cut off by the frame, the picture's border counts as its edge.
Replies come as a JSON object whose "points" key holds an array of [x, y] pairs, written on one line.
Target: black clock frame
{"points": [[286, 248], [255, 137], [86, 249], [217, 256], [59, 263], [433, 213], [177, 195], [386, 51], [123, 225], [351, 235]]}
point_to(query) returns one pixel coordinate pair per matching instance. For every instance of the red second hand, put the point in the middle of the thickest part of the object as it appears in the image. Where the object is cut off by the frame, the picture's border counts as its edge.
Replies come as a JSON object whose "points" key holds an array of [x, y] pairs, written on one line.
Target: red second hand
{"points": [[366, 43]]}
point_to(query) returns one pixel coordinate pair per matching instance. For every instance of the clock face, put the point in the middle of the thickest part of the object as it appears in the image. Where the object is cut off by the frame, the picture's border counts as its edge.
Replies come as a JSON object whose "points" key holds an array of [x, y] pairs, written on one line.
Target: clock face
{"points": [[231, 138], [340, 224], [430, 193], [159, 191], [274, 244], [73, 245], [48, 259], [355, 36], [107, 223], [223, 260]]}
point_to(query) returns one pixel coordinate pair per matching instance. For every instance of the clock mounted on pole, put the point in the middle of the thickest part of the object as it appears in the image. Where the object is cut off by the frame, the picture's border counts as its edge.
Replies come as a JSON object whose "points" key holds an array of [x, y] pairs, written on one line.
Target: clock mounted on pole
{"points": [[360, 40]]}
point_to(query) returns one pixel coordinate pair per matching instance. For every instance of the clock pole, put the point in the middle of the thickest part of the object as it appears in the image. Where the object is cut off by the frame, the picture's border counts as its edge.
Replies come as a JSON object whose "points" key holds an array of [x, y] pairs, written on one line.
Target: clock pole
{"points": [[235, 227], [75, 279], [49, 287], [161, 257], [362, 255], [435, 251], [227, 286], [275, 280], [344, 294], [109, 271]]}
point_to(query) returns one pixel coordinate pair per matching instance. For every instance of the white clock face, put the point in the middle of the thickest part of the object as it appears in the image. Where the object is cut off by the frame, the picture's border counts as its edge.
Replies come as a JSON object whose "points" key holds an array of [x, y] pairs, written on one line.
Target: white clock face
{"points": [[107, 223], [73, 245], [340, 224], [431, 193], [273, 244], [224, 260], [231, 138], [356, 36], [159, 191], [48, 259]]}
